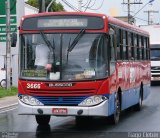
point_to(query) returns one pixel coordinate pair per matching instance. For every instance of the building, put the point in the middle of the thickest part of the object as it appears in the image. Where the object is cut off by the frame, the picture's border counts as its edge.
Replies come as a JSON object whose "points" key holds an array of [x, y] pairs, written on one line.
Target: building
{"points": [[30, 9], [125, 19]]}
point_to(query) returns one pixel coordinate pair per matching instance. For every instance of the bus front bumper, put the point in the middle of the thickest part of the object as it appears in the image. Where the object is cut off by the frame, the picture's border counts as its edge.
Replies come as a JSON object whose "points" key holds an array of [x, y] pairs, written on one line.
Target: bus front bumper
{"points": [[98, 110]]}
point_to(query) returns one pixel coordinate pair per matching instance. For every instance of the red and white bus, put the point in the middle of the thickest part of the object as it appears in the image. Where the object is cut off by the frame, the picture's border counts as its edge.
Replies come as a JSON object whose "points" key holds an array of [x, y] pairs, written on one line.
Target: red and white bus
{"points": [[81, 64]]}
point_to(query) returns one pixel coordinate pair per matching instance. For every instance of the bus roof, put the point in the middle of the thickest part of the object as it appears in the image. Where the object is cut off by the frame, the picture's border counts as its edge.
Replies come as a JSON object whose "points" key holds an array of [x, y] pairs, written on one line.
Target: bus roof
{"points": [[110, 19], [126, 25]]}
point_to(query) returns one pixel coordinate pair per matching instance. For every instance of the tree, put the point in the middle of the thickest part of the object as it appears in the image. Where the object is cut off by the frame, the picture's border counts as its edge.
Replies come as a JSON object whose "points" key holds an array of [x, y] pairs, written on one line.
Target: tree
{"points": [[54, 7]]}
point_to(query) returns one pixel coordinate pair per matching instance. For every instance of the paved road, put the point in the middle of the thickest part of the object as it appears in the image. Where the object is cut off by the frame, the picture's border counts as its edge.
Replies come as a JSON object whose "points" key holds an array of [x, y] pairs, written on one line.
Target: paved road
{"points": [[147, 120]]}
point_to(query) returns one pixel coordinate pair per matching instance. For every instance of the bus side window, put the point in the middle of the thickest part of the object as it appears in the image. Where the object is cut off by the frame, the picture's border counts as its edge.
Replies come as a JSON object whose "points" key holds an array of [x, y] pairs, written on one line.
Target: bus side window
{"points": [[145, 49], [121, 44], [132, 47], [142, 43], [135, 45], [112, 52], [125, 45], [118, 44], [129, 45], [138, 47], [112, 47], [148, 51]]}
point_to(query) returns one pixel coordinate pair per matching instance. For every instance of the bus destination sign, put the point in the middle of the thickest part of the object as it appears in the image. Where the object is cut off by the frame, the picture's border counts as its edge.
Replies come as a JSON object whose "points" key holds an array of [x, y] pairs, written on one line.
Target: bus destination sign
{"points": [[62, 22], [79, 22]]}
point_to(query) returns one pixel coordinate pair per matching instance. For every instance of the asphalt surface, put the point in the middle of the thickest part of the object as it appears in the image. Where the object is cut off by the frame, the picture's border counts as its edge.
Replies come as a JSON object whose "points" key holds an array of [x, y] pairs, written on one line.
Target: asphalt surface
{"points": [[8, 103], [133, 124]]}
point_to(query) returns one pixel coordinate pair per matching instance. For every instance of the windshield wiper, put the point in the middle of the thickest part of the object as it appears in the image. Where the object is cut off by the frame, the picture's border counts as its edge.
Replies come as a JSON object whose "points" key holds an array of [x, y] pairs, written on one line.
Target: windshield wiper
{"points": [[50, 46], [75, 41], [48, 43]]}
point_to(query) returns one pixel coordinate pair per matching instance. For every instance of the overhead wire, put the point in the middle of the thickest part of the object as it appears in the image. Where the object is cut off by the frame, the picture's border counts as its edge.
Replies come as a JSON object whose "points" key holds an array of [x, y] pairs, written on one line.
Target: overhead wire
{"points": [[87, 5], [70, 5], [141, 19], [97, 7], [91, 5]]}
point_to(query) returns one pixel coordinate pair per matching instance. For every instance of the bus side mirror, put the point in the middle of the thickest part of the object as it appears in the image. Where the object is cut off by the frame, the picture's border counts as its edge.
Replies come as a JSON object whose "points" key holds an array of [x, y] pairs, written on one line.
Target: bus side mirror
{"points": [[13, 39]]}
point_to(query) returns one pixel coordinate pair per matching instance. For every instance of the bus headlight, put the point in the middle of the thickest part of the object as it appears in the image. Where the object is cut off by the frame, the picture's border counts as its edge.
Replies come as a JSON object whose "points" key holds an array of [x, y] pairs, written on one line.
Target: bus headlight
{"points": [[29, 100], [93, 100]]}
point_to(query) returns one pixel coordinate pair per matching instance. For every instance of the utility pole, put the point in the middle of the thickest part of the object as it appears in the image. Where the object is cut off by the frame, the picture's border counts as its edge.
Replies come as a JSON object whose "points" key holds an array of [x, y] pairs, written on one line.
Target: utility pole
{"points": [[8, 46], [149, 15], [80, 5], [41, 6], [129, 3]]}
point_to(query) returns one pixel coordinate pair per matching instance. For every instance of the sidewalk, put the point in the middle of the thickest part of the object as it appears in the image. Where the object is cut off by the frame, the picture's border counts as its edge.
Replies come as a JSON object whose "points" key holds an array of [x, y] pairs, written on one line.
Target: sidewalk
{"points": [[8, 101]]}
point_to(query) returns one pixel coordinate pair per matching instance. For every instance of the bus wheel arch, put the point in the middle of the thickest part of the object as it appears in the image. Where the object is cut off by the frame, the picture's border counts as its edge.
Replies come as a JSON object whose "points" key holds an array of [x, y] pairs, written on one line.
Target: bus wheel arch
{"points": [[138, 106], [114, 118], [120, 96], [141, 90]]}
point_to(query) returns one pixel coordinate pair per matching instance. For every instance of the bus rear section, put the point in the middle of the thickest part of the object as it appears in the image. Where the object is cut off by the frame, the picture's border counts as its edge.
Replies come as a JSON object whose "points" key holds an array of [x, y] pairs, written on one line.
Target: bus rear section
{"points": [[71, 65]]}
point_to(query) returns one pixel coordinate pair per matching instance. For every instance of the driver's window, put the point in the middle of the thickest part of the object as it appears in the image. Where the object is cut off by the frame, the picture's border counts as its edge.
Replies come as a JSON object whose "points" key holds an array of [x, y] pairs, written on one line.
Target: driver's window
{"points": [[112, 53], [102, 60]]}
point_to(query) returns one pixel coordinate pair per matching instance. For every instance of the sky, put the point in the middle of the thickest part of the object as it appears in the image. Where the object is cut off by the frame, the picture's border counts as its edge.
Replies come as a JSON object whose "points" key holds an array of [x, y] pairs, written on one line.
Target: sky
{"points": [[116, 8]]}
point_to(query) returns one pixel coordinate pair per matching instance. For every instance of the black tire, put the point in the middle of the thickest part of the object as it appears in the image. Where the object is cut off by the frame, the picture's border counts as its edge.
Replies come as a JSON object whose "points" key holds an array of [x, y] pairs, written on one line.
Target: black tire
{"points": [[138, 106], [3, 83], [43, 119], [83, 120], [114, 119]]}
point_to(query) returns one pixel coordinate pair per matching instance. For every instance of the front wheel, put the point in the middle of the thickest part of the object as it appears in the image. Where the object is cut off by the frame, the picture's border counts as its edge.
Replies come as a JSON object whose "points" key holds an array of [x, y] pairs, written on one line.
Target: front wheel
{"points": [[43, 119], [115, 117]]}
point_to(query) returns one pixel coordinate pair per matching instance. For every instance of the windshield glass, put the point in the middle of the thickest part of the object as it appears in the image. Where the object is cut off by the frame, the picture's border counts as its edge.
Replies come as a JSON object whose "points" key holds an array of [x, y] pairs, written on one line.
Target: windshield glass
{"points": [[55, 57], [155, 54]]}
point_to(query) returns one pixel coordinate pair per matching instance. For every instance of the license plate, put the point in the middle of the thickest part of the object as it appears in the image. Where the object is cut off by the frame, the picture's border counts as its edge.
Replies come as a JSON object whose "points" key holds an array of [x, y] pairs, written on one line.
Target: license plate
{"points": [[60, 111]]}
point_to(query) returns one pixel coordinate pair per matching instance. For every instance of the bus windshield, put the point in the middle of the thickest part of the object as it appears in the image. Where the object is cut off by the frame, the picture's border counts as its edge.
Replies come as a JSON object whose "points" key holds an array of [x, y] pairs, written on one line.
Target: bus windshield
{"points": [[60, 60], [155, 52]]}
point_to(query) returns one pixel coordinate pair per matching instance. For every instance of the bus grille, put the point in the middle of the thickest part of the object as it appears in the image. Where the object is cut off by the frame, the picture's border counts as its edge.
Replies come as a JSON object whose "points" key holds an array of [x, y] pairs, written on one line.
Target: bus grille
{"points": [[61, 101], [86, 92]]}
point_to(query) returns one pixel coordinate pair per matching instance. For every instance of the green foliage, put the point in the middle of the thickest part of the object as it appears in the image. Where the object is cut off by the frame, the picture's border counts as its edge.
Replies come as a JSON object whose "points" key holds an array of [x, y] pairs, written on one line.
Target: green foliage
{"points": [[4, 93], [55, 6], [33, 3]]}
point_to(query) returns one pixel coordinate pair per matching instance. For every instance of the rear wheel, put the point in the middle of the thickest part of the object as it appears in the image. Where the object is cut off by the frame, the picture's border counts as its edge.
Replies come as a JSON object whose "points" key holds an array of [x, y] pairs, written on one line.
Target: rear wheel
{"points": [[43, 119], [115, 117]]}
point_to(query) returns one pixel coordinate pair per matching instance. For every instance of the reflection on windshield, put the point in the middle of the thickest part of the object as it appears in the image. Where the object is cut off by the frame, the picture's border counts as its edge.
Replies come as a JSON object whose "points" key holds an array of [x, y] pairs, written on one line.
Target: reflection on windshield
{"points": [[155, 54], [86, 60]]}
